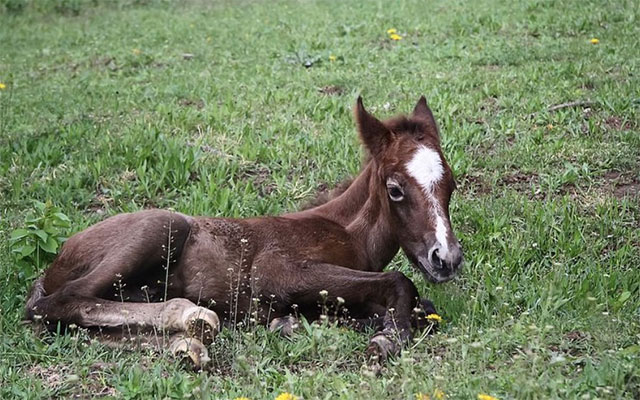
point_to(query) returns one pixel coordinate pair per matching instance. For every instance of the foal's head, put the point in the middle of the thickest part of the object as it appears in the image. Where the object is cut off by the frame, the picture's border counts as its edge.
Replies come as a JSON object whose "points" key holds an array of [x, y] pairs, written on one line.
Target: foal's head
{"points": [[415, 184]]}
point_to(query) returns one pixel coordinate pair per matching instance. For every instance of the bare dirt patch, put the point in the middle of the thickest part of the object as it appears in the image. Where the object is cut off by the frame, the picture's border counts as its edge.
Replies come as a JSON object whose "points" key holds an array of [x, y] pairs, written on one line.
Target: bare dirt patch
{"points": [[621, 185], [199, 104], [490, 105], [56, 377], [575, 336], [616, 184], [260, 176], [520, 181], [331, 90], [627, 190], [617, 123], [471, 184], [105, 62]]}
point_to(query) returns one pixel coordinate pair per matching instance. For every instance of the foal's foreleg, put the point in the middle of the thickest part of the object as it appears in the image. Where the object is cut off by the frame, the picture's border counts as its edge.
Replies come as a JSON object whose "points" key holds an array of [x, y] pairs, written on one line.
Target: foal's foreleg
{"points": [[391, 294], [419, 319]]}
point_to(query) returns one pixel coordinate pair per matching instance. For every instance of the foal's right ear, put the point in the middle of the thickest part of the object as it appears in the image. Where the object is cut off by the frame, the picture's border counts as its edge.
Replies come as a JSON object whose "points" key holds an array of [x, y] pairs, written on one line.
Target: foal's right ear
{"points": [[423, 113], [375, 136]]}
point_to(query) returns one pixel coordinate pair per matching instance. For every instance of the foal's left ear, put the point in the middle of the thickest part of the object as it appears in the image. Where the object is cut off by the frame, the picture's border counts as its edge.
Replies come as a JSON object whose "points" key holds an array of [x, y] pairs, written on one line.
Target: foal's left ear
{"points": [[374, 134], [422, 112]]}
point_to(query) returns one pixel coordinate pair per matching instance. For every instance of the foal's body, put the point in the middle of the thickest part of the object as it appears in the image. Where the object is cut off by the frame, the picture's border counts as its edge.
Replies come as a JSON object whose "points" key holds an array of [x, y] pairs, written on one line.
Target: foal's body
{"points": [[158, 268]]}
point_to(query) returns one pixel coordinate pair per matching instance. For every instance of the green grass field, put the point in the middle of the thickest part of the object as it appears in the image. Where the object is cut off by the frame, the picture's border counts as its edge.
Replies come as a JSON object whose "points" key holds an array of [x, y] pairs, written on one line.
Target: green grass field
{"points": [[243, 108]]}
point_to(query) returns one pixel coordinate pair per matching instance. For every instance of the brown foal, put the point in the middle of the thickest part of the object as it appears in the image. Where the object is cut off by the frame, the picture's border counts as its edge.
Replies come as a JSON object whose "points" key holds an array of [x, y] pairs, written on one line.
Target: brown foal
{"points": [[153, 269]]}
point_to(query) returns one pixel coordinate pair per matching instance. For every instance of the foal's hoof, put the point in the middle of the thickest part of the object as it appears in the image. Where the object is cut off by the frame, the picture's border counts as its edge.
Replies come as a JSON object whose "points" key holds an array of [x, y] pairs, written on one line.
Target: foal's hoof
{"points": [[284, 325], [201, 323], [425, 316], [381, 348], [190, 351]]}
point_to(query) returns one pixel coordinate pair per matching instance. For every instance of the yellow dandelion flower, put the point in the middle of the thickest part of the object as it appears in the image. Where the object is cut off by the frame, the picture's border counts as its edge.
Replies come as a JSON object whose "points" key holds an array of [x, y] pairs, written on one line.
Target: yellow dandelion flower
{"points": [[136, 51], [395, 36], [2, 86], [391, 32], [434, 317], [332, 57], [594, 41], [286, 396], [422, 396], [482, 396], [438, 394]]}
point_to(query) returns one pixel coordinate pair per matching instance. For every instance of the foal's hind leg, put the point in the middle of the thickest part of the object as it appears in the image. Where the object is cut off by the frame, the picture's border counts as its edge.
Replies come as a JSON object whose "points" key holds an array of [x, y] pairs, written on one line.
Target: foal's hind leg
{"points": [[180, 345], [119, 248], [174, 315]]}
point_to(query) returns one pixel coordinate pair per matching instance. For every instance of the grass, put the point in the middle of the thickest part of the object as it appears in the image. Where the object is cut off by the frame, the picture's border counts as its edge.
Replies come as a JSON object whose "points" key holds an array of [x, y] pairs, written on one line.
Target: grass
{"points": [[210, 109]]}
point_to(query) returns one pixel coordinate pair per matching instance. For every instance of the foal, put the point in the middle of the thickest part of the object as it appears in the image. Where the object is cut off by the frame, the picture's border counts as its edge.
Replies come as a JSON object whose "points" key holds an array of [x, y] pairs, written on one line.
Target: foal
{"points": [[153, 269]]}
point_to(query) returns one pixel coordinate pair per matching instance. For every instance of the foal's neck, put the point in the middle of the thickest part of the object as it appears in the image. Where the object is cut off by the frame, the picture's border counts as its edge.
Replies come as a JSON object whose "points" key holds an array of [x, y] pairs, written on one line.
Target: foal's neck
{"points": [[360, 210]]}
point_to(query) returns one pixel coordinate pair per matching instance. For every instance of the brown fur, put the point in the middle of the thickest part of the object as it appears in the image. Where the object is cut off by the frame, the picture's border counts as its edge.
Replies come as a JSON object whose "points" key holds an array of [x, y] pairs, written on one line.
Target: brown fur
{"points": [[115, 272]]}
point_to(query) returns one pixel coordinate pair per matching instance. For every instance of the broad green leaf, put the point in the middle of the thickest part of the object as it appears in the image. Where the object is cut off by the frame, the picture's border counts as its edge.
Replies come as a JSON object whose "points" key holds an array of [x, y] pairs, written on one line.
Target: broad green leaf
{"points": [[624, 297], [62, 217], [18, 234], [39, 205], [41, 234], [27, 250], [51, 246]]}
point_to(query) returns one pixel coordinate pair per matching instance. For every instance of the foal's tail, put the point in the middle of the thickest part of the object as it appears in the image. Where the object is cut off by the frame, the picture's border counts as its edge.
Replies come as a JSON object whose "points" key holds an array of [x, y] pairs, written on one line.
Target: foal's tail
{"points": [[36, 293]]}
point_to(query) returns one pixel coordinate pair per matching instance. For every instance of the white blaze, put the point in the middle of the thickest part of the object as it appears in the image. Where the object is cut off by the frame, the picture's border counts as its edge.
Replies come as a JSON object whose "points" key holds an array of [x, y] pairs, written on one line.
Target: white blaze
{"points": [[426, 168]]}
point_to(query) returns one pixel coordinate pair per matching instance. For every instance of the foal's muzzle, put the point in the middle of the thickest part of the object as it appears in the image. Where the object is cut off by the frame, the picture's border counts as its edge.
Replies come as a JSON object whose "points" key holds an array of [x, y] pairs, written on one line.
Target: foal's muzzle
{"points": [[441, 264]]}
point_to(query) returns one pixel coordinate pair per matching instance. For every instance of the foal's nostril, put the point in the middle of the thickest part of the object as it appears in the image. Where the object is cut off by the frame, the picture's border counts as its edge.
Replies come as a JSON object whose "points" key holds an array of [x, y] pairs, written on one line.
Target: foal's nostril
{"points": [[436, 261]]}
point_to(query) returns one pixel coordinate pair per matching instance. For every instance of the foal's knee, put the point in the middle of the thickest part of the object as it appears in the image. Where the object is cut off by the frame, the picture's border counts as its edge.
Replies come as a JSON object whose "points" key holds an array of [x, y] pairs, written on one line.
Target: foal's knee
{"points": [[402, 285]]}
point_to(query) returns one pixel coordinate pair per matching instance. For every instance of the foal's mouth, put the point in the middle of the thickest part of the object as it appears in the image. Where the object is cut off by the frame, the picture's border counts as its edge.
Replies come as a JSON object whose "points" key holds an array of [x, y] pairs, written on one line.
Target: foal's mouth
{"points": [[435, 273]]}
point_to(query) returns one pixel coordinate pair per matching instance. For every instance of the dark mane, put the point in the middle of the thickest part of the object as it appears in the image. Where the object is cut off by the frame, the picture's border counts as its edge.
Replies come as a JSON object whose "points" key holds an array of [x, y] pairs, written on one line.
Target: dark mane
{"points": [[324, 195], [412, 126]]}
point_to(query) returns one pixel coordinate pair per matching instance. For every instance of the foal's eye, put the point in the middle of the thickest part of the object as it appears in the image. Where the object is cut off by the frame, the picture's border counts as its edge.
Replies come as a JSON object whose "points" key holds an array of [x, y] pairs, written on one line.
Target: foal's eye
{"points": [[395, 193]]}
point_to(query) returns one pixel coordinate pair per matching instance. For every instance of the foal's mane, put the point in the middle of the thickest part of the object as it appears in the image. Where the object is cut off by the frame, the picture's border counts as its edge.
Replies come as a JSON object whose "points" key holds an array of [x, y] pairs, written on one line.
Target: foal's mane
{"points": [[399, 124], [327, 195]]}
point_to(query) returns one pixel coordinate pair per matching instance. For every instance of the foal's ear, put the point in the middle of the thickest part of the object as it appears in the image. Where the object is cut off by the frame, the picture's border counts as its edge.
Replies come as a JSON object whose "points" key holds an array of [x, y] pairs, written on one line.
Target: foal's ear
{"points": [[374, 134], [423, 113]]}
